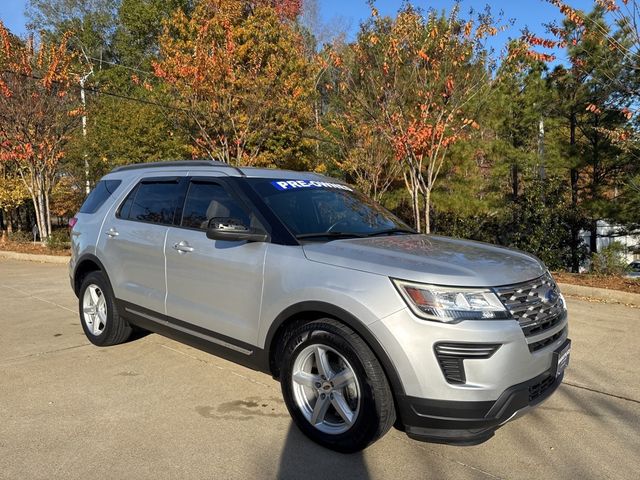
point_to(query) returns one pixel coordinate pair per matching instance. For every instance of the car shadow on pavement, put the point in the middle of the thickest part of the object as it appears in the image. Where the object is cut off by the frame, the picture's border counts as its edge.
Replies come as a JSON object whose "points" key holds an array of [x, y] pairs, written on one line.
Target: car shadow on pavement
{"points": [[301, 458]]}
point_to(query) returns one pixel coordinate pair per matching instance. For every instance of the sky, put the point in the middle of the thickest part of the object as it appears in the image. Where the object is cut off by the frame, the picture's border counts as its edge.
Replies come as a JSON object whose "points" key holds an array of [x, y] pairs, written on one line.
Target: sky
{"points": [[526, 13]]}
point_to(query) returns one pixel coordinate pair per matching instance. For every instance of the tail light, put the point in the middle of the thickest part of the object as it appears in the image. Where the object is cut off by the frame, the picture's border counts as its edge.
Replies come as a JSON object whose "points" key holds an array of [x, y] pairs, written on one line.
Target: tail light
{"points": [[72, 222]]}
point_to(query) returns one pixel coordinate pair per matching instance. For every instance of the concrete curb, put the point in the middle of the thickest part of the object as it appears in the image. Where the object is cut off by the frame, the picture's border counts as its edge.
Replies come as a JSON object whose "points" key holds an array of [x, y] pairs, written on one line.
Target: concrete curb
{"points": [[32, 257], [601, 294]]}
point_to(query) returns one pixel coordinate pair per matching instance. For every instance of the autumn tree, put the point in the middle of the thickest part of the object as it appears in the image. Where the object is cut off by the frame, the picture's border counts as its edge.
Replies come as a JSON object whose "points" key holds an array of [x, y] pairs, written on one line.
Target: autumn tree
{"points": [[241, 81], [37, 114], [418, 80], [13, 194]]}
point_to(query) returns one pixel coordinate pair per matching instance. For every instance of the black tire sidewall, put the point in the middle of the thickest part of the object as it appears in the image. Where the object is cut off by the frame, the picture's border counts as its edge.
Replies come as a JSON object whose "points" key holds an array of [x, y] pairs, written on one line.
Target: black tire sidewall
{"points": [[366, 427], [99, 279]]}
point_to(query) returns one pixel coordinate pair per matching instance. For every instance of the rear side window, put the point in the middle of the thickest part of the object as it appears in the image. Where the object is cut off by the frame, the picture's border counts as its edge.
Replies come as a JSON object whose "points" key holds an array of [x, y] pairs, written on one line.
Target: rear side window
{"points": [[210, 200], [152, 202], [99, 195]]}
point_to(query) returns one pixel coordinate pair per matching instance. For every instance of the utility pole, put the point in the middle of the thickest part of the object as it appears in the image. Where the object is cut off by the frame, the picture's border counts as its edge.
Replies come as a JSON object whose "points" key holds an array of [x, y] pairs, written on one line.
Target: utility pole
{"points": [[84, 133], [83, 100]]}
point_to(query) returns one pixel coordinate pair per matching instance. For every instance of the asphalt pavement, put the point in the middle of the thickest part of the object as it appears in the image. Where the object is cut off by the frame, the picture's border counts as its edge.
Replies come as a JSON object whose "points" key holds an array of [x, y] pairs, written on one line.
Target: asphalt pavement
{"points": [[153, 408]]}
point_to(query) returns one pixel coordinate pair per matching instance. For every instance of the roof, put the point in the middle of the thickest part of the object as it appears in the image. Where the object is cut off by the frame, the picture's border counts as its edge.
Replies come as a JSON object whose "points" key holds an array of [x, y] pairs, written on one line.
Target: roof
{"points": [[231, 170]]}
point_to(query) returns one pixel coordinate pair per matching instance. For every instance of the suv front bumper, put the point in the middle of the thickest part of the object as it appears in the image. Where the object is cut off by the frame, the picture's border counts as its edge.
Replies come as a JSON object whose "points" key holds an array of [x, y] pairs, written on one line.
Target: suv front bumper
{"points": [[494, 389], [472, 423]]}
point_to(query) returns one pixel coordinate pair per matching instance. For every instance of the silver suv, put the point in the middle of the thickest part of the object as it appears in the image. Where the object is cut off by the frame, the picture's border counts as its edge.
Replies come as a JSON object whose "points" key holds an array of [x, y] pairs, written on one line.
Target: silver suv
{"points": [[366, 323]]}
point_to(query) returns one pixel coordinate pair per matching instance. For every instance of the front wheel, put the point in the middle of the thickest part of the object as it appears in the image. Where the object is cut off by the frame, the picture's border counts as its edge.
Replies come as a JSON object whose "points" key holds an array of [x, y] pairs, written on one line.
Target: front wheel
{"points": [[334, 387]]}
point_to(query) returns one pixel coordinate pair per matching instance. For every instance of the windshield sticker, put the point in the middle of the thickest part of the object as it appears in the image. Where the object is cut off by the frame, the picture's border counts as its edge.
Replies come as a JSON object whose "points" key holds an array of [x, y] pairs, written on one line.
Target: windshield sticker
{"points": [[294, 184]]}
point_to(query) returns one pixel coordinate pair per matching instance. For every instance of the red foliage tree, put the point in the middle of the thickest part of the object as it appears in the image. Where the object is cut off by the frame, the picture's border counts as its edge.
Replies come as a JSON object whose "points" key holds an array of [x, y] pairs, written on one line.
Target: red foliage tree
{"points": [[37, 114]]}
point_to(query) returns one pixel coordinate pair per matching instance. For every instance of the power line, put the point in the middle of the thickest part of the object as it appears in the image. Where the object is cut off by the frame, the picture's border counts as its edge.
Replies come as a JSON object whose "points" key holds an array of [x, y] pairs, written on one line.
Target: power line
{"points": [[115, 64], [105, 92], [146, 102]]}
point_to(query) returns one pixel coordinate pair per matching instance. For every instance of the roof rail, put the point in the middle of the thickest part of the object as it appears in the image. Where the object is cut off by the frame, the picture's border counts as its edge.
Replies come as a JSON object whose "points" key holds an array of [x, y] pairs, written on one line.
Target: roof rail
{"points": [[177, 163]]}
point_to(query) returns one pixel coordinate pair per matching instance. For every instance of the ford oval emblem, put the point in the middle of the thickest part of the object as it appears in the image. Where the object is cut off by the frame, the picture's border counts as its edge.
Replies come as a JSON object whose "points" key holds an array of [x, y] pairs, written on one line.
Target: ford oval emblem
{"points": [[550, 296]]}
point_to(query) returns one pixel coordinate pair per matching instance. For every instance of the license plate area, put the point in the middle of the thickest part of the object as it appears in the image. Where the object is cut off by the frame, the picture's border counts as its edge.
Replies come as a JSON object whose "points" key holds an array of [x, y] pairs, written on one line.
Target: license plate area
{"points": [[561, 357]]}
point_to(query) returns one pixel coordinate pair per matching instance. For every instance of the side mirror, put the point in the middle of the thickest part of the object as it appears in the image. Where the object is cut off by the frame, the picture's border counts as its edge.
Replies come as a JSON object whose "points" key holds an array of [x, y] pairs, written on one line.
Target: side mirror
{"points": [[232, 229]]}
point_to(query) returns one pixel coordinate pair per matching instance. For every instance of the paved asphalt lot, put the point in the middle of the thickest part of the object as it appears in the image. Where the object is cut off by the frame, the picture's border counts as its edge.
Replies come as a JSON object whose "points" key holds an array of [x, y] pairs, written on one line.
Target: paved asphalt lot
{"points": [[153, 408]]}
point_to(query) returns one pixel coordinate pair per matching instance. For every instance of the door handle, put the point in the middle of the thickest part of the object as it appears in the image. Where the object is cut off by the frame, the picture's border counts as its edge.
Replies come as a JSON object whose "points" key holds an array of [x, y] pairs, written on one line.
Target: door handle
{"points": [[112, 232], [183, 247]]}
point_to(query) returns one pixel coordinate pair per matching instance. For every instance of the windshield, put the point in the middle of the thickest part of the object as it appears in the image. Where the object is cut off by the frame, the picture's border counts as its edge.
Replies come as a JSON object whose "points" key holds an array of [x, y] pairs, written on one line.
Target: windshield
{"points": [[323, 210]]}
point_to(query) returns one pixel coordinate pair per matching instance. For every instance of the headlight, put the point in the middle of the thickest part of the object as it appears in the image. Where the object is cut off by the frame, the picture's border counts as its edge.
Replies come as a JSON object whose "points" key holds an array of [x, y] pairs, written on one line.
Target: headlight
{"points": [[451, 304]]}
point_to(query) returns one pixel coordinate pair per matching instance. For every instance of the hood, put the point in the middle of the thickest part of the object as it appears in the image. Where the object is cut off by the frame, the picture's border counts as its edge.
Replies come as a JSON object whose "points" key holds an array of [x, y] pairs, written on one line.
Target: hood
{"points": [[430, 259]]}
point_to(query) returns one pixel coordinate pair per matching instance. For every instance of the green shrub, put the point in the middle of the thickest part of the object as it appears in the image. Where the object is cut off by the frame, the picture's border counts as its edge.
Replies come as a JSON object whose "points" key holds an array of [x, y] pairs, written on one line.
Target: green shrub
{"points": [[20, 236], [610, 260], [59, 239]]}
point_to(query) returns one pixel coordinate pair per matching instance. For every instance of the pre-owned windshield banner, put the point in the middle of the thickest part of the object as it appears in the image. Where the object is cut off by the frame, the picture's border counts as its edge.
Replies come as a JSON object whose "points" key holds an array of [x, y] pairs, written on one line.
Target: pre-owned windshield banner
{"points": [[297, 184]]}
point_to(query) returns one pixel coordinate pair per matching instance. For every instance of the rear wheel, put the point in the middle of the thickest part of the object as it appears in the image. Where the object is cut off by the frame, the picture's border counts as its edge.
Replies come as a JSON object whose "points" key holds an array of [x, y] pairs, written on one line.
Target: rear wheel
{"points": [[334, 387], [99, 316]]}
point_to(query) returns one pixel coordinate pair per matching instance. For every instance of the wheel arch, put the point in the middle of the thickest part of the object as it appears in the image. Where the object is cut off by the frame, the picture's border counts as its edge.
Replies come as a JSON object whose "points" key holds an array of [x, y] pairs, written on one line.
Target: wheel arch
{"points": [[85, 265], [308, 311]]}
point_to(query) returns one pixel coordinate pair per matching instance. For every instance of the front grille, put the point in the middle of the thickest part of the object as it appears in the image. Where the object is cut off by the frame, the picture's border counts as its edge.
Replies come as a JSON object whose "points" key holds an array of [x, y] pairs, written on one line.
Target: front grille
{"points": [[537, 304], [539, 388], [451, 356]]}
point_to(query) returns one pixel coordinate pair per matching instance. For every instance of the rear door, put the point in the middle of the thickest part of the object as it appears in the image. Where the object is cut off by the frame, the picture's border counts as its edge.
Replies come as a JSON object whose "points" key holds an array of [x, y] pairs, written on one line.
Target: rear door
{"points": [[214, 286], [133, 237]]}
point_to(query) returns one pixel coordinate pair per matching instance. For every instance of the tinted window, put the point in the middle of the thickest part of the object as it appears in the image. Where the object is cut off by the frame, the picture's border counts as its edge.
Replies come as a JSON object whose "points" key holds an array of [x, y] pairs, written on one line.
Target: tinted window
{"points": [[153, 202], [209, 200], [99, 195]]}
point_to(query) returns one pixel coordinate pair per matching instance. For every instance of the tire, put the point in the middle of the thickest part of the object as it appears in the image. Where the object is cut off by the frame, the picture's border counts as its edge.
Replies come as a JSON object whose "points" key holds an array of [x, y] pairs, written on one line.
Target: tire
{"points": [[105, 327], [366, 400]]}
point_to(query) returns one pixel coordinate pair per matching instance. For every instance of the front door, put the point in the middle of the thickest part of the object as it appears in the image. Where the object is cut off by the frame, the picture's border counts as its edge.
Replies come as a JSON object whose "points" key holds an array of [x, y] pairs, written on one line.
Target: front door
{"points": [[215, 285]]}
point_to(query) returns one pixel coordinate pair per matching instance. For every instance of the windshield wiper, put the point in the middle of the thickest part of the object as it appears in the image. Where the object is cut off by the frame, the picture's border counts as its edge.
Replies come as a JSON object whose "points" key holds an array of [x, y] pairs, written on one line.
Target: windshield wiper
{"points": [[391, 231], [333, 235]]}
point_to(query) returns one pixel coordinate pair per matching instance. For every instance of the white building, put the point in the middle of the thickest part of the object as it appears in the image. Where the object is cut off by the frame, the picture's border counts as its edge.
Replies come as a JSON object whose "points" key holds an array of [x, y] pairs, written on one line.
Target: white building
{"points": [[608, 233]]}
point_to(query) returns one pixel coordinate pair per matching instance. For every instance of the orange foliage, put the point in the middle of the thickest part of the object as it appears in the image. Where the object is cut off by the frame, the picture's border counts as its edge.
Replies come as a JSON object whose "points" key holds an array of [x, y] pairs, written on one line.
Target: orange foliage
{"points": [[235, 70]]}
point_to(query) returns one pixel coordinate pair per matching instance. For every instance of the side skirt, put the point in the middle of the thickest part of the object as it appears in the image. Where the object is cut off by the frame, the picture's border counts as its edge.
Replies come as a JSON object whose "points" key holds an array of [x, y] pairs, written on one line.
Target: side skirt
{"points": [[197, 337]]}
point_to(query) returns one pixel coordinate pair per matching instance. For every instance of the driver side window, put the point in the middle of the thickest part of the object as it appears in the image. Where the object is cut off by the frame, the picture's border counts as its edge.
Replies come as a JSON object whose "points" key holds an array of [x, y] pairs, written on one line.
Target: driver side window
{"points": [[205, 201]]}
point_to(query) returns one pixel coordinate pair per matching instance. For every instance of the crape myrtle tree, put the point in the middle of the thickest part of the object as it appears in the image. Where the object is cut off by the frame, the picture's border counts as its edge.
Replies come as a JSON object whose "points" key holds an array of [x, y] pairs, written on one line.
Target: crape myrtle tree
{"points": [[417, 81], [242, 84], [37, 115]]}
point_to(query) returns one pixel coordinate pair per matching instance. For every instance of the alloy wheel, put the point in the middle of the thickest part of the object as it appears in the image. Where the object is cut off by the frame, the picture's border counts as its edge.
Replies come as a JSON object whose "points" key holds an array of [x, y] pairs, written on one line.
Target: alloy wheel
{"points": [[94, 309], [326, 389]]}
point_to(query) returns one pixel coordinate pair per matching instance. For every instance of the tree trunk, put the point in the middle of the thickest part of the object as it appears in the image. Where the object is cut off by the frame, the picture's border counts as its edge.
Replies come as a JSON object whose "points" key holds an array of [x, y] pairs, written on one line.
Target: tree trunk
{"points": [[41, 213], [427, 210], [414, 191], [36, 210], [10, 220], [47, 213], [575, 231], [415, 194], [593, 239]]}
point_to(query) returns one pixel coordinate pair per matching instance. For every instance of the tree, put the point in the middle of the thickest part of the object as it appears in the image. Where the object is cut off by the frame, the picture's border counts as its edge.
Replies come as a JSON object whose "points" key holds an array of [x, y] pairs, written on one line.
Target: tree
{"points": [[418, 81], [89, 25], [596, 112], [242, 82], [13, 194], [66, 197], [37, 115], [366, 158], [624, 39], [139, 26]]}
